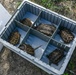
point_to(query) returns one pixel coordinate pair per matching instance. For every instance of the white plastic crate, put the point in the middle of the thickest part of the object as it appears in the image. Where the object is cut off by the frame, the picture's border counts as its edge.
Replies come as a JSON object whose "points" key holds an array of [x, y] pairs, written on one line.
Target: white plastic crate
{"points": [[38, 14]]}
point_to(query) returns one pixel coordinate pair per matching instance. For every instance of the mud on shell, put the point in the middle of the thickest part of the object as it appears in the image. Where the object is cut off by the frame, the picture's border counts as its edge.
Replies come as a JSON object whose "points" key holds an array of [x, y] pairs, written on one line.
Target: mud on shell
{"points": [[56, 56], [66, 35], [26, 21], [47, 29], [14, 38]]}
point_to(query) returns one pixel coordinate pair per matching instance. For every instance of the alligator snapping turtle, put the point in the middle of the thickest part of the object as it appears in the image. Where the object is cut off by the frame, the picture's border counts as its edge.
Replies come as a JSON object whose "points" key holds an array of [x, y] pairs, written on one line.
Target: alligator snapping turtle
{"points": [[66, 35], [46, 29], [26, 21], [55, 56], [28, 48], [14, 38]]}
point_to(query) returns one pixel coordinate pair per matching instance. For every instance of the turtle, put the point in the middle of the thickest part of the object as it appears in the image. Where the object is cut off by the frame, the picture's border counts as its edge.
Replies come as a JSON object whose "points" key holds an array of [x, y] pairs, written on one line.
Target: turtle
{"points": [[55, 56], [46, 29], [28, 48], [26, 21], [14, 37], [66, 35]]}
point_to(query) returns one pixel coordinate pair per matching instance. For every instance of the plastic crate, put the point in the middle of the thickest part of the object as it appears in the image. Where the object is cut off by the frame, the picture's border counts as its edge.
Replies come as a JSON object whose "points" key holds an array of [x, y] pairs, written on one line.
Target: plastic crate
{"points": [[4, 17], [38, 14]]}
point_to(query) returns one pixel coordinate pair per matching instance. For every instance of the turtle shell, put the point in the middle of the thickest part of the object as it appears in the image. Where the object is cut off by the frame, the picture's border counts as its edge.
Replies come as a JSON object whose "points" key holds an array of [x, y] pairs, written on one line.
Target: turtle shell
{"points": [[26, 21], [14, 38], [55, 56], [66, 35], [26, 47], [46, 29]]}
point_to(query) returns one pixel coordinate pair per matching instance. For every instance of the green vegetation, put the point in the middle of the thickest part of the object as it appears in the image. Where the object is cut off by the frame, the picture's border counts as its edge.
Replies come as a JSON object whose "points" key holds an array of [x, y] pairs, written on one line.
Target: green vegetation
{"points": [[18, 3], [66, 74], [50, 4], [63, 7], [54, 5], [71, 65]]}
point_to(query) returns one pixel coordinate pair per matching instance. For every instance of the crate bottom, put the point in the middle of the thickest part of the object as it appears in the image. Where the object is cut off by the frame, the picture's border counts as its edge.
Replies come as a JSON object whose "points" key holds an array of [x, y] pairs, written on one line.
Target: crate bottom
{"points": [[35, 42], [22, 33], [31, 16], [59, 39], [50, 49]]}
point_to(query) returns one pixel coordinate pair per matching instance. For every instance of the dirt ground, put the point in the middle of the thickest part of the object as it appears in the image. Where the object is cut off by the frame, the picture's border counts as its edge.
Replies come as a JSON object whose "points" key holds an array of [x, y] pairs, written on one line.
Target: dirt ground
{"points": [[11, 63]]}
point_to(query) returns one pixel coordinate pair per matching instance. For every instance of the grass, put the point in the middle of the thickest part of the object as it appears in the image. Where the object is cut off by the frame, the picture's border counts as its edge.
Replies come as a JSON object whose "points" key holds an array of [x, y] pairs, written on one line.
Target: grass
{"points": [[66, 74], [50, 4], [60, 6]]}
